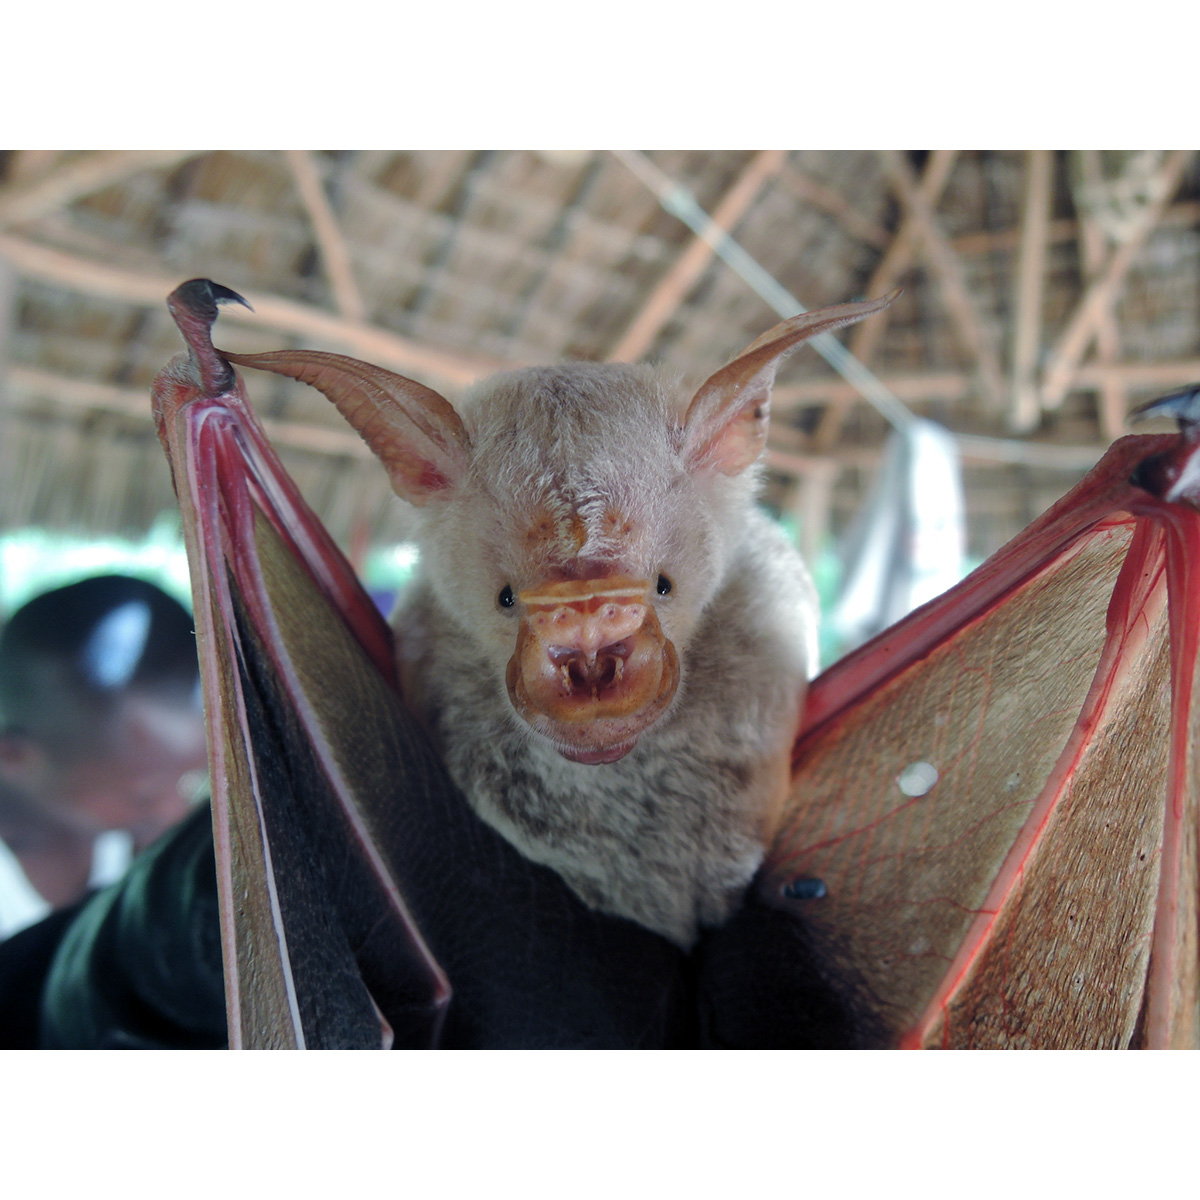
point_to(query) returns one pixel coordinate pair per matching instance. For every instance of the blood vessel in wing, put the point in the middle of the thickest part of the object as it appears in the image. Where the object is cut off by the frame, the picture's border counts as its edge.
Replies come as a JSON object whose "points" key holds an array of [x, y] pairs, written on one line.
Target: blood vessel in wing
{"points": [[998, 795]]}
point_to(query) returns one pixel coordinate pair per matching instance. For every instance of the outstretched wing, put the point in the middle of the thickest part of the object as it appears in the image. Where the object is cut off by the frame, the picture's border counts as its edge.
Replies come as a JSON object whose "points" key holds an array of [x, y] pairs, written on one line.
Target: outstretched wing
{"points": [[992, 836]]}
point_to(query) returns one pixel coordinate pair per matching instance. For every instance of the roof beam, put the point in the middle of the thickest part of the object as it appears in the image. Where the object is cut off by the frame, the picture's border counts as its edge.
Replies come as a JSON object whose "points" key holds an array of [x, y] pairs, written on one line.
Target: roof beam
{"points": [[1100, 295], [328, 233], [270, 312], [35, 197], [671, 290], [1092, 243], [925, 386], [866, 336], [830, 200], [65, 391], [1026, 409], [947, 269]]}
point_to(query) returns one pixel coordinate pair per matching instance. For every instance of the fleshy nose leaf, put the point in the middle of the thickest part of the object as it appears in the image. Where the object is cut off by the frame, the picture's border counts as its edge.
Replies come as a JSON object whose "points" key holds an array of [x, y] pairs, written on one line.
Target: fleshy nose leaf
{"points": [[592, 668]]}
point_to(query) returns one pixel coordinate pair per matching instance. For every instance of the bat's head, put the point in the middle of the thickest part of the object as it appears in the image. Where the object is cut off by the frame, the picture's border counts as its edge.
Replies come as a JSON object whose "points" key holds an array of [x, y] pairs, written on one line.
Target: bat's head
{"points": [[580, 546], [575, 520]]}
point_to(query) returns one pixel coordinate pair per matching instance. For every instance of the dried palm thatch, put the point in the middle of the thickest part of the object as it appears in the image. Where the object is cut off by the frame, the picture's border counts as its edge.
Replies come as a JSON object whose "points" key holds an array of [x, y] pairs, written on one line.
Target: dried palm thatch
{"points": [[1046, 293]]}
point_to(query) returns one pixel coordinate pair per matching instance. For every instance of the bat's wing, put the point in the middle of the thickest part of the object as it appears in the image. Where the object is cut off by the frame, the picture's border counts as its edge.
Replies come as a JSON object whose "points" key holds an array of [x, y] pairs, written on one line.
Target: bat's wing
{"points": [[992, 836], [311, 939], [355, 883]]}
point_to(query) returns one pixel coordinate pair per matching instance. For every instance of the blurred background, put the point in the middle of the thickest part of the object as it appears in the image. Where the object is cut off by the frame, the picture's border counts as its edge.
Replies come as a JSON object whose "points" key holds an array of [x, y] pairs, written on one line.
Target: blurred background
{"points": [[1046, 293]]}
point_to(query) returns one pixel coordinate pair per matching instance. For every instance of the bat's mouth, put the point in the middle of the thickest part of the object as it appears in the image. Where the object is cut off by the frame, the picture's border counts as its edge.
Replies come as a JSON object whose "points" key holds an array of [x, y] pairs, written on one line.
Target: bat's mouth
{"points": [[592, 669], [595, 758], [595, 739]]}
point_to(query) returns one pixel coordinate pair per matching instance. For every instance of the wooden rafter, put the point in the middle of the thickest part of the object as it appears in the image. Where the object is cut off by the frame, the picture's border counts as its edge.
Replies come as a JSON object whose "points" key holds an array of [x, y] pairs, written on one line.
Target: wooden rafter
{"points": [[1092, 243], [331, 243], [914, 387], [683, 275], [830, 200], [1098, 298], [38, 195], [270, 312], [1061, 230], [24, 165], [89, 395], [947, 268], [1031, 271], [865, 337]]}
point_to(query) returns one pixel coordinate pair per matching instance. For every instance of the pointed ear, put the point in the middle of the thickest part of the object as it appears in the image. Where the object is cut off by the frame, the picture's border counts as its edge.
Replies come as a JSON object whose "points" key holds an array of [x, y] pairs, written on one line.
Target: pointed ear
{"points": [[725, 428], [413, 431]]}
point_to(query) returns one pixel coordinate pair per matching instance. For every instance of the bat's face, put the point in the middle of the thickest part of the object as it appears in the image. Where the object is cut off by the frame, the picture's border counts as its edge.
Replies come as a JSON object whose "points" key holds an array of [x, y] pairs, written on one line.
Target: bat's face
{"points": [[580, 550], [577, 519]]}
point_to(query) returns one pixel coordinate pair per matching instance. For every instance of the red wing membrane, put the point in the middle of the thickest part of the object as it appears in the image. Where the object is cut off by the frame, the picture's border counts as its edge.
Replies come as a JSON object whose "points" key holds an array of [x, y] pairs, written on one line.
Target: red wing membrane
{"points": [[320, 949], [998, 795]]}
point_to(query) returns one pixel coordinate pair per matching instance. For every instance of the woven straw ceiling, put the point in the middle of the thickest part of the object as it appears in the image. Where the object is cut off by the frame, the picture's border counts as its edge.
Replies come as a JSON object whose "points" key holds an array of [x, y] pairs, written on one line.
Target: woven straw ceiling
{"points": [[1046, 293]]}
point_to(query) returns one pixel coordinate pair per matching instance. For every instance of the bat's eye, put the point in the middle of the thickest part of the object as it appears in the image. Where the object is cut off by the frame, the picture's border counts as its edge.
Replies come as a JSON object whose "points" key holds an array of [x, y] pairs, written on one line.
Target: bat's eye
{"points": [[506, 599], [664, 585]]}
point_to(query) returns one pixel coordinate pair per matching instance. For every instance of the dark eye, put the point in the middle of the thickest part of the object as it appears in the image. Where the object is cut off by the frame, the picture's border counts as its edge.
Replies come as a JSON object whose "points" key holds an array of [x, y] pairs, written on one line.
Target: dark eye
{"points": [[506, 599], [664, 585]]}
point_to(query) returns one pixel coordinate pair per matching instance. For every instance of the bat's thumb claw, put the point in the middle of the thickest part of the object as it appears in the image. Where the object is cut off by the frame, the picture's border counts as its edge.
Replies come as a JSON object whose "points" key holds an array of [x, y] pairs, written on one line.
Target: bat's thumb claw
{"points": [[194, 306], [1183, 405]]}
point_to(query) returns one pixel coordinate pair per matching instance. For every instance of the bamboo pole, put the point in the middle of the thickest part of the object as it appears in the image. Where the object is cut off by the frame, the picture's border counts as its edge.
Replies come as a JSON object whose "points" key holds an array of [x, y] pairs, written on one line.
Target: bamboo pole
{"points": [[1108, 337], [865, 337], [90, 395], [947, 268], [30, 199], [663, 302], [830, 200], [270, 312], [24, 165], [328, 233], [1067, 352], [1031, 270], [914, 387]]}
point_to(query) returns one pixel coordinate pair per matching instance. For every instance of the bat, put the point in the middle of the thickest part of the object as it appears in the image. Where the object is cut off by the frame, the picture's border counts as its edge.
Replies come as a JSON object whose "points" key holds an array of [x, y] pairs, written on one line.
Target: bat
{"points": [[607, 640], [879, 916]]}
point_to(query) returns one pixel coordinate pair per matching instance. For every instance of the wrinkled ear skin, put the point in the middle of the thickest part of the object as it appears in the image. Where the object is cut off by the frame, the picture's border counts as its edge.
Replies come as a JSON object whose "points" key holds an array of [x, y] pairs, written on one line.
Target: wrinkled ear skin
{"points": [[725, 428], [411, 429]]}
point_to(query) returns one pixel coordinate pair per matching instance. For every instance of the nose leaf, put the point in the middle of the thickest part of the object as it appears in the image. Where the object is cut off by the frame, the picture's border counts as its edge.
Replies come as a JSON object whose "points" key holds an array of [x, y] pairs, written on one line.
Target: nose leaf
{"points": [[591, 658]]}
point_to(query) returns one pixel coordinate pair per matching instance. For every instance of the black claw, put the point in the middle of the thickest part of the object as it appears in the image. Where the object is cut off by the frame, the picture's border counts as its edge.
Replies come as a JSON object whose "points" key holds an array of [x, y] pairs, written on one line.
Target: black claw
{"points": [[1183, 405], [194, 306], [1175, 474], [202, 296]]}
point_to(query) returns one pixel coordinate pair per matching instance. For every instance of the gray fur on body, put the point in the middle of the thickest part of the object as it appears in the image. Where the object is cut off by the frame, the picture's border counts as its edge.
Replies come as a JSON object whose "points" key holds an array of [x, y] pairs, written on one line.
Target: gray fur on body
{"points": [[669, 835]]}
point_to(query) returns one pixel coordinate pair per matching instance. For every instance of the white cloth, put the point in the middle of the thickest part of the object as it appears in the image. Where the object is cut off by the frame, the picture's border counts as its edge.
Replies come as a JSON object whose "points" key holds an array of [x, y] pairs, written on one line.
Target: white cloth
{"points": [[20, 903]]}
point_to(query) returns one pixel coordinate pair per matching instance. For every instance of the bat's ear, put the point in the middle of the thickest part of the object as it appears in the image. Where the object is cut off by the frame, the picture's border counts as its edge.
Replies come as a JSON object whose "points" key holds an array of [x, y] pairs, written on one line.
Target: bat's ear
{"points": [[413, 430], [725, 428]]}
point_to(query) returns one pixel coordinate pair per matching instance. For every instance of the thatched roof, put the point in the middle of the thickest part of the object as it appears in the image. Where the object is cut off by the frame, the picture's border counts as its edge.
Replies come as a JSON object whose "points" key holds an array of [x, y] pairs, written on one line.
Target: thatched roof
{"points": [[1046, 294]]}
